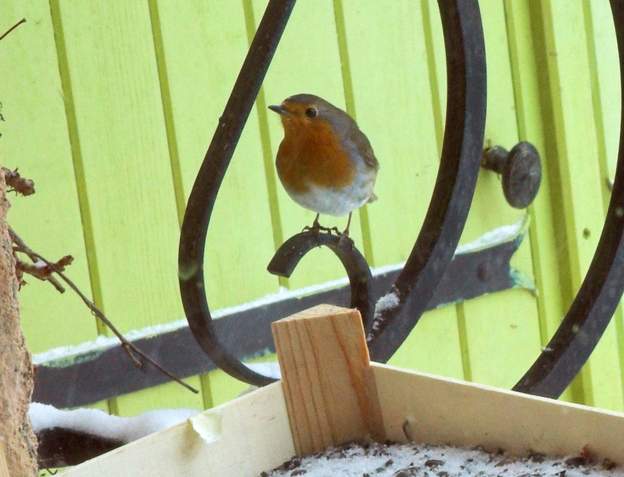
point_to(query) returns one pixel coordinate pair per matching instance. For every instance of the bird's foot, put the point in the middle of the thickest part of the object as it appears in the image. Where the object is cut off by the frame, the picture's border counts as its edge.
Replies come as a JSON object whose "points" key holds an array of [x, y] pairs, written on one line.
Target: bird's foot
{"points": [[316, 227]]}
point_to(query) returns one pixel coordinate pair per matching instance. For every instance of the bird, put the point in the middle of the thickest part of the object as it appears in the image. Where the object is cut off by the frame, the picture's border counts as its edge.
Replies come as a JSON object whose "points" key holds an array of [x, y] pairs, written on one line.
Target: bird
{"points": [[325, 162]]}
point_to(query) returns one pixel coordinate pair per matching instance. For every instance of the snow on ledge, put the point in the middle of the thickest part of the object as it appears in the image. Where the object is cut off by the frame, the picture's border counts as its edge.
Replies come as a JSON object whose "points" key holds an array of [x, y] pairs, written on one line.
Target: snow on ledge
{"points": [[99, 423], [492, 238], [102, 343]]}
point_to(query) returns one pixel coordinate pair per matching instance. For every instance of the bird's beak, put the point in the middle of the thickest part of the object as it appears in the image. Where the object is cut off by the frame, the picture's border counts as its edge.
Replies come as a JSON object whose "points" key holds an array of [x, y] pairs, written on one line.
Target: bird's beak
{"points": [[278, 109]]}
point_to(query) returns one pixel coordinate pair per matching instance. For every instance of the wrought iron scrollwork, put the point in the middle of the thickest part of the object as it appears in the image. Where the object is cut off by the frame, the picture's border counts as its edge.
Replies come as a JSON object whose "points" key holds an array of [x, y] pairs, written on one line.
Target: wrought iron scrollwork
{"points": [[456, 180], [445, 219], [209, 179], [293, 250], [602, 288], [593, 306]]}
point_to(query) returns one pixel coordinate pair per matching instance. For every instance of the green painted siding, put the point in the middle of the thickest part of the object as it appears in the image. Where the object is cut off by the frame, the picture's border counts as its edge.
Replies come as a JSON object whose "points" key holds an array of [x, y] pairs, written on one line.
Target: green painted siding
{"points": [[110, 107]]}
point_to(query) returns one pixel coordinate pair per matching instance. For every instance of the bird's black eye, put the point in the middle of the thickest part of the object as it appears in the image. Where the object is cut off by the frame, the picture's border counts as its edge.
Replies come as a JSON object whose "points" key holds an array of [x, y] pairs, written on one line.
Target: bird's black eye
{"points": [[311, 112]]}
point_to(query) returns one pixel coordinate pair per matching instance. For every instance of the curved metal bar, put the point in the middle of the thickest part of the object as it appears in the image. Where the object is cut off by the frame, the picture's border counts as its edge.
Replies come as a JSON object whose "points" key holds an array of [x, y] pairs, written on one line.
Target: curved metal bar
{"points": [[208, 181], [601, 290], [294, 249], [456, 180]]}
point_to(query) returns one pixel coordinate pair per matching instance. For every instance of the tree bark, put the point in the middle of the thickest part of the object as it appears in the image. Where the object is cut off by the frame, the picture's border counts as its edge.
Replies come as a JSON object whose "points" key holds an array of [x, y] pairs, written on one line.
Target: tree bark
{"points": [[17, 440]]}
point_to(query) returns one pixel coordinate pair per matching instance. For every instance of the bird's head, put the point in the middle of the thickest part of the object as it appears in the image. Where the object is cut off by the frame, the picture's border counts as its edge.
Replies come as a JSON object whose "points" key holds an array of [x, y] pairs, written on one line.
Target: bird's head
{"points": [[306, 111]]}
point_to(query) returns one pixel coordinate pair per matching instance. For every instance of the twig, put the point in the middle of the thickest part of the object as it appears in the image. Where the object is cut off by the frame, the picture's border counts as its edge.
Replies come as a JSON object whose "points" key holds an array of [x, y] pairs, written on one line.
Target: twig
{"points": [[39, 269], [23, 20], [130, 348], [22, 267]]}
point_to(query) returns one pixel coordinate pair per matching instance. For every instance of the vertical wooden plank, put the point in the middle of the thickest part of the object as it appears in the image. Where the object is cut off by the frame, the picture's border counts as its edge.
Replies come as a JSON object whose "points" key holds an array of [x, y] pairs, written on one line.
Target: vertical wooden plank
{"points": [[436, 55], [606, 100], [576, 142], [306, 61], [530, 84], [399, 118], [34, 137], [605, 72], [503, 327], [199, 82], [397, 62], [436, 58], [225, 388], [433, 346], [126, 169]]}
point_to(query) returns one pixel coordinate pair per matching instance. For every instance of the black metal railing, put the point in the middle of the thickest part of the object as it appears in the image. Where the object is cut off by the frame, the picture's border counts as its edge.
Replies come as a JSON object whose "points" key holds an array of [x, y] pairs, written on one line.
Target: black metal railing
{"points": [[592, 308]]}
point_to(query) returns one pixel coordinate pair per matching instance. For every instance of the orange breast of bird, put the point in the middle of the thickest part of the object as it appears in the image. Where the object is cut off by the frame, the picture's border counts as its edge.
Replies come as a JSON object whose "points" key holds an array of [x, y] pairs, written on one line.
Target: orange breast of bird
{"points": [[312, 154]]}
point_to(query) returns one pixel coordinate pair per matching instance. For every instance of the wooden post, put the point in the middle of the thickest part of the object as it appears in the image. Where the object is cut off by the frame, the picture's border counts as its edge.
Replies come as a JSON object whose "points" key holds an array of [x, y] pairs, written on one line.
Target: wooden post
{"points": [[327, 380]]}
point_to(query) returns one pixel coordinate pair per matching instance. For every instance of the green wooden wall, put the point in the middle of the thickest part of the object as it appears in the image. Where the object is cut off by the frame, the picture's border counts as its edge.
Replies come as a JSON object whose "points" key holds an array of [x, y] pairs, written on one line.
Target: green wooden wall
{"points": [[110, 107]]}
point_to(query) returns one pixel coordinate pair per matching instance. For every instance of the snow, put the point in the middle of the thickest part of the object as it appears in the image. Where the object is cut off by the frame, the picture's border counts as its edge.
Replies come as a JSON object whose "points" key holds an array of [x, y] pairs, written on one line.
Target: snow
{"points": [[102, 343], [404, 460], [96, 422], [269, 368], [386, 302], [494, 237]]}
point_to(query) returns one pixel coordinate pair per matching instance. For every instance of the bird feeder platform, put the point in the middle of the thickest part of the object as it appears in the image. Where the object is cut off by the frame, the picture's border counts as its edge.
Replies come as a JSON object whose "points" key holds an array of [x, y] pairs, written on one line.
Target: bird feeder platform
{"points": [[331, 394]]}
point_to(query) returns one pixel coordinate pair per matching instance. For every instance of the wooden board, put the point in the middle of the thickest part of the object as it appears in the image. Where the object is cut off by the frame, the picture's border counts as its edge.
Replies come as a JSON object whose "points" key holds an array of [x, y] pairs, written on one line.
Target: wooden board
{"points": [[445, 410], [240, 438], [504, 329], [124, 179], [405, 66], [606, 99], [578, 168], [329, 390], [34, 137], [251, 434], [526, 52], [89, 106]]}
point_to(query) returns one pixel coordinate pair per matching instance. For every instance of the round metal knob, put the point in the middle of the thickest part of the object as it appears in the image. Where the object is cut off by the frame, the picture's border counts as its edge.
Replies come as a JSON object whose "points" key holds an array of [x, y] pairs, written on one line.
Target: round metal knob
{"points": [[521, 169]]}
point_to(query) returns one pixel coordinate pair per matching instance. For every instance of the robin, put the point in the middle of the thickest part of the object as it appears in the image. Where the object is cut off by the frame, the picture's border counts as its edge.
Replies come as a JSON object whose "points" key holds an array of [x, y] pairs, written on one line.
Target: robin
{"points": [[325, 163]]}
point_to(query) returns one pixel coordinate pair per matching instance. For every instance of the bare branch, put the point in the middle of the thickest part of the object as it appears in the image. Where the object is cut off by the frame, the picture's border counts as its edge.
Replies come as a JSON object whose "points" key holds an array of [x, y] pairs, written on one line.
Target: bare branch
{"points": [[40, 269], [135, 353], [20, 246], [23, 20]]}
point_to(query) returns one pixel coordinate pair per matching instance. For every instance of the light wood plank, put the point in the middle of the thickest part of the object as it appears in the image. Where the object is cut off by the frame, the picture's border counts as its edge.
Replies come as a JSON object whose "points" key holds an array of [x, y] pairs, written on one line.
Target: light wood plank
{"points": [[579, 170], [126, 169], [192, 113], [501, 327], [238, 439], [252, 434], [34, 137], [330, 396], [606, 98], [395, 57], [530, 85], [441, 411], [200, 79], [433, 346], [389, 57]]}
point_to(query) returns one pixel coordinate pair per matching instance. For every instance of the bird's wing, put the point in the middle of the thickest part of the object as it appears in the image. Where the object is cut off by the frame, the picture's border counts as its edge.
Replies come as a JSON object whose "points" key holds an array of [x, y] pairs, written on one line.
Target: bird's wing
{"points": [[364, 147]]}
